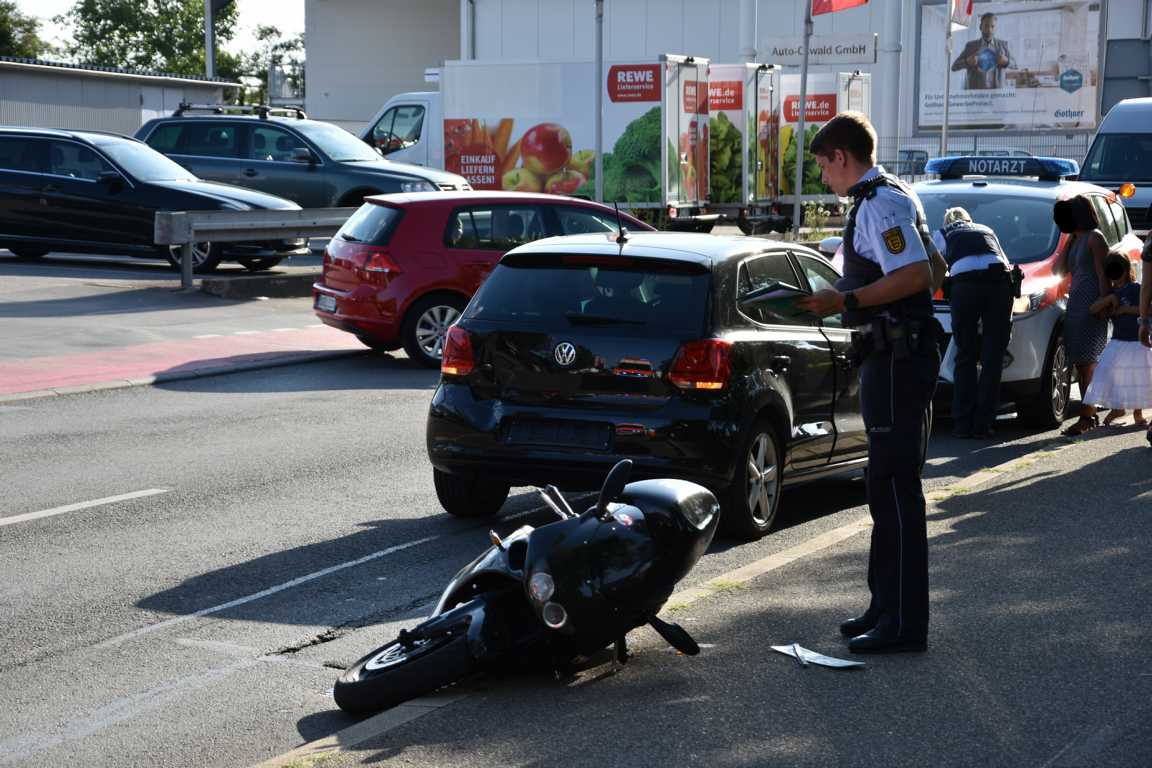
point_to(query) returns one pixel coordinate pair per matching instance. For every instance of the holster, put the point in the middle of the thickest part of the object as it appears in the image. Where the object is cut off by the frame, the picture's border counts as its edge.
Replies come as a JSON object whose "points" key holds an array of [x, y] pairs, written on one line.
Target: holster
{"points": [[902, 338], [1017, 276]]}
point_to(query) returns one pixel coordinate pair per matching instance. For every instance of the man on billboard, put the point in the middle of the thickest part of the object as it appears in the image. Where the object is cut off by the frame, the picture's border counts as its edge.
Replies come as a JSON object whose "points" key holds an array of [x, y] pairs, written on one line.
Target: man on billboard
{"points": [[984, 59]]}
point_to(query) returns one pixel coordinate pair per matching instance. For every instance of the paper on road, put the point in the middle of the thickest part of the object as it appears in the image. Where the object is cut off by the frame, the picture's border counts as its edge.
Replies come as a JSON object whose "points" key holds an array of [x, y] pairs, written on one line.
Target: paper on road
{"points": [[805, 657]]}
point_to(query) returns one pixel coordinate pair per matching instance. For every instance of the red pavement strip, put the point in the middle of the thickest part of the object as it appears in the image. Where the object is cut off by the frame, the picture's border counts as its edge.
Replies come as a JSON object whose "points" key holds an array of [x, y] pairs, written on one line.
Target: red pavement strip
{"points": [[169, 360]]}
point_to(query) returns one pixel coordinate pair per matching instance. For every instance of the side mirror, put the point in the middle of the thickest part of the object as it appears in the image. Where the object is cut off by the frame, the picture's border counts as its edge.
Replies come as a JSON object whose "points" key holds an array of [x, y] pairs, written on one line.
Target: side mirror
{"points": [[110, 178], [773, 289], [303, 155], [614, 485], [829, 245]]}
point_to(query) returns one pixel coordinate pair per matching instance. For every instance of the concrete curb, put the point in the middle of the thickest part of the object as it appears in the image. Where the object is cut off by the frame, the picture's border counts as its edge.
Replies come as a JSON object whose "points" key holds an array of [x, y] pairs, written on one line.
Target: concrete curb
{"points": [[276, 286], [290, 358]]}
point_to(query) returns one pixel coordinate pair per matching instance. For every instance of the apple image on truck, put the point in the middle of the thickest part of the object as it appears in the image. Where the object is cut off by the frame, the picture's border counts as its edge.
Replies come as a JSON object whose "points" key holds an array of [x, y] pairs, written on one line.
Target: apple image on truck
{"points": [[564, 183], [521, 180], [546, 148]]}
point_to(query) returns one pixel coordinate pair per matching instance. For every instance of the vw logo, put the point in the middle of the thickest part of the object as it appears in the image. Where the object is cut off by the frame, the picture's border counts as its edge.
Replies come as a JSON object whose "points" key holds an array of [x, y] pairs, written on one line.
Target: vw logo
{"points": [[564, 353]]}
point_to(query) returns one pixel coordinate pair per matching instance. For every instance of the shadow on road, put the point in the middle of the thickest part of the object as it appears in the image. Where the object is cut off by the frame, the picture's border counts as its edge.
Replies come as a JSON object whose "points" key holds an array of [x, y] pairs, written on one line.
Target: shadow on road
{"points": [[123, 302], [361, 369]]}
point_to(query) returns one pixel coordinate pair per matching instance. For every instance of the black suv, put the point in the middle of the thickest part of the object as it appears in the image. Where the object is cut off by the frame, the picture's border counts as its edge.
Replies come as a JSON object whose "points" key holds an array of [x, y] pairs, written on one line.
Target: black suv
{"points": [[682, 352], [316, 164], [91, 192]]}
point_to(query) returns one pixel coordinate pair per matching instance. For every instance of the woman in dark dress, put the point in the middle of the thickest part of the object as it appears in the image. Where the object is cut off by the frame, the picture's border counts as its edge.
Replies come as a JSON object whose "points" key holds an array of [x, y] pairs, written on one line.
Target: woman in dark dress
{"points": [[1085, 333]]}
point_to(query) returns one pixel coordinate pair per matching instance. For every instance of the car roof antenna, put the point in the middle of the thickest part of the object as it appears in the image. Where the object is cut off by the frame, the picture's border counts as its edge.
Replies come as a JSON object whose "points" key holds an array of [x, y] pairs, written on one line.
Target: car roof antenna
{"points": [[622, 237]]}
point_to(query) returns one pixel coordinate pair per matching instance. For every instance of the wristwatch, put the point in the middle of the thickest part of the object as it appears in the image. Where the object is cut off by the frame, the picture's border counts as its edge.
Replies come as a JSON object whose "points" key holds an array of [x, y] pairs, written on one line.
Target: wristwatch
{"points": [[850, 301]]}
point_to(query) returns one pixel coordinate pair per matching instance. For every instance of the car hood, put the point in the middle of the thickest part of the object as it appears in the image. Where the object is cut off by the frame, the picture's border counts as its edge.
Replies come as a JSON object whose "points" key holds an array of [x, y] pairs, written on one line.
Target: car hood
{"points": [[226, 193], [404, 169]]}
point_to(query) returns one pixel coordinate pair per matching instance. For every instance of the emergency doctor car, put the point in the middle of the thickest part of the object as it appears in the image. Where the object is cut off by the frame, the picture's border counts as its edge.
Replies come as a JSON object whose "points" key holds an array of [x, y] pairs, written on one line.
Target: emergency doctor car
{"points": [[1014, 196]]}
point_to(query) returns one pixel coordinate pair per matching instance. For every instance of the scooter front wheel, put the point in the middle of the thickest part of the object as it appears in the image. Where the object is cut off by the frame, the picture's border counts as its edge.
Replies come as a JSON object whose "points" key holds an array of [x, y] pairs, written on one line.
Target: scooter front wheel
{"points": [[393, 674]]}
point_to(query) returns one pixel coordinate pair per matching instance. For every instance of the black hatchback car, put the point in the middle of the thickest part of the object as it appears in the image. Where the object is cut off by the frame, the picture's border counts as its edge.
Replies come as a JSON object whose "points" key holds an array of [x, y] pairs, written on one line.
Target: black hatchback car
{"points": [[91, 192], [682, 352]]}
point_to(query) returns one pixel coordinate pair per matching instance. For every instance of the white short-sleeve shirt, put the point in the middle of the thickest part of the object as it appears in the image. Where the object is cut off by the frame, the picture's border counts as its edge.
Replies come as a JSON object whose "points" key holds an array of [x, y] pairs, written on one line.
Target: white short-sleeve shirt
{"points": [[886, 230]]}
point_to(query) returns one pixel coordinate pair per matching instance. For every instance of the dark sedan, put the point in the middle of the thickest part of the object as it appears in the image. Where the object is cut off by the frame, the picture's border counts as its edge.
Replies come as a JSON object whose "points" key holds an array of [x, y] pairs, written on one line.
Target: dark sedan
{"points": [[681, 352], [90, 192]]}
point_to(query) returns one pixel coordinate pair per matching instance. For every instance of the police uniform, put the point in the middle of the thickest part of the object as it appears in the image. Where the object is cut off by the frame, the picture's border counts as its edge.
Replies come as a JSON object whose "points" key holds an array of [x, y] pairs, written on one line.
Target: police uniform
{"points": [[899, 361], [981, 293]]}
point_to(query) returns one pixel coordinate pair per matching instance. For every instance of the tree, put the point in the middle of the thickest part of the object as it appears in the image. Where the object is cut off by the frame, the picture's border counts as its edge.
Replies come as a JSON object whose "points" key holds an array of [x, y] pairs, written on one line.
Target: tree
{"points": [[162, 35], [18, 33], [278, 51]]}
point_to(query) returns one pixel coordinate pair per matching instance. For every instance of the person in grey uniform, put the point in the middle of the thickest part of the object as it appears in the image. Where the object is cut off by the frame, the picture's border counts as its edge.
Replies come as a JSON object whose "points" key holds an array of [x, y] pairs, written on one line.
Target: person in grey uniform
{"points": [[985, 59], [891, 269], [1082, 257], [980, 277]]}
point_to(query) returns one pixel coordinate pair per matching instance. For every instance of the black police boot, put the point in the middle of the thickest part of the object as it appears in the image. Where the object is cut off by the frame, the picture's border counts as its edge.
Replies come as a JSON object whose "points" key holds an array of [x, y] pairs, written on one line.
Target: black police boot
{"points": [[861, 624], [885, 639]]}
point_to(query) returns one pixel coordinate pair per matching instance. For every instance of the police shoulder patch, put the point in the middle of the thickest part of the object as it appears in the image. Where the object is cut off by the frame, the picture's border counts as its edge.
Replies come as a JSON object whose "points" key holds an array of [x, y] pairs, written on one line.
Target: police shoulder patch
{"points": [[894, 239]]}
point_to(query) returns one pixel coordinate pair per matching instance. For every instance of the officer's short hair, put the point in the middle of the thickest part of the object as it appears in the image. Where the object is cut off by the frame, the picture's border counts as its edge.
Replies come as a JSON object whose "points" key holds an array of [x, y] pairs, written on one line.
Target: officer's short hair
{"points": [[849, 132], [953, 215]]}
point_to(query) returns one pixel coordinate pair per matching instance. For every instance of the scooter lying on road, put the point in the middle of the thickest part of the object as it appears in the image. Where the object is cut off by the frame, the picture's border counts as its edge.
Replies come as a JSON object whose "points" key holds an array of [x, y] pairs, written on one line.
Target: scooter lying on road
{"points": [[566, 590]]}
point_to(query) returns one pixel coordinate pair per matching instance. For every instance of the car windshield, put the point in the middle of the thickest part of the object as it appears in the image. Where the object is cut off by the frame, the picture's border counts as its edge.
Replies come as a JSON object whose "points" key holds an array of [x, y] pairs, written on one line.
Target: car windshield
{"points": [[670, 300], [141, 161], [1119, 157], [336, 142], [1023, 225]]}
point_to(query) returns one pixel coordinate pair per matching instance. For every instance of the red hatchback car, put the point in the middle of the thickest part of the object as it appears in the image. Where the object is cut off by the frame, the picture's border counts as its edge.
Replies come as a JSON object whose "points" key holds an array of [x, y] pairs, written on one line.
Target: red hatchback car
{"points": [[402, 268]]}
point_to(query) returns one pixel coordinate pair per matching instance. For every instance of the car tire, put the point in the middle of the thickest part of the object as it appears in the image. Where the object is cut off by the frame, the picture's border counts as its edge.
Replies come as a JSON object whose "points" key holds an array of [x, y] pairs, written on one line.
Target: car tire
{"points": [[28, 253], [1049, 407], [205, 257], [425, 327], [753, 499], [469, 495], [260, 263]]}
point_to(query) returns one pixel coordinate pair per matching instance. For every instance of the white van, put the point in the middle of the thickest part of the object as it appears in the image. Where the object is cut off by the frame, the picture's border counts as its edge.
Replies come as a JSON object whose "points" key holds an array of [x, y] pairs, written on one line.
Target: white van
{"points": [[1122, 152]]}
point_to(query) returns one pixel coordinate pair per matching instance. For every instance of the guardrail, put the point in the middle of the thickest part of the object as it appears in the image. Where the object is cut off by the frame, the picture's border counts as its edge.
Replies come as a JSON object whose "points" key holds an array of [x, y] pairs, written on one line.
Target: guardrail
{"points": [[184, 228]]}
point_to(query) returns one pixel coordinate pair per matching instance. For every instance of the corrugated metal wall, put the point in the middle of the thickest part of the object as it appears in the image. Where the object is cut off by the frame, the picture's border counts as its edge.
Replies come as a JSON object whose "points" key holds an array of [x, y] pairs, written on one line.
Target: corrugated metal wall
{"points": [[76, 101]]}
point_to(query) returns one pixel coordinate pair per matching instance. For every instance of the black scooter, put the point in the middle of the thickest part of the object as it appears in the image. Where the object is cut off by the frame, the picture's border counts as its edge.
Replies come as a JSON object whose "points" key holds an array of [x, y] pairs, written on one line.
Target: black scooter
{"points": [[566, 590]]}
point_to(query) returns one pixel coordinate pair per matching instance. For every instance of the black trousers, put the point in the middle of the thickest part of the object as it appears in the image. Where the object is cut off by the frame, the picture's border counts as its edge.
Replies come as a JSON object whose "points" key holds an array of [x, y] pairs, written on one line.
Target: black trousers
{"points": [[981, 327], [895, 396]]}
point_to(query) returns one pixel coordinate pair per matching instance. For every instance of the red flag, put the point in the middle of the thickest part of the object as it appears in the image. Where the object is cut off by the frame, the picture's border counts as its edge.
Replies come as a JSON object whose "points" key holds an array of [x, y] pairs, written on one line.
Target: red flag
{"points": [[831, 6]]}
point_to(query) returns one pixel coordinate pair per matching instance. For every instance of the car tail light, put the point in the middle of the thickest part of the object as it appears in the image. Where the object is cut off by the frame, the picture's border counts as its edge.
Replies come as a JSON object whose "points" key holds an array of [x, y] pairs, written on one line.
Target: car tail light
{"points": [[457, 359], [361, 256], [705, 364]]}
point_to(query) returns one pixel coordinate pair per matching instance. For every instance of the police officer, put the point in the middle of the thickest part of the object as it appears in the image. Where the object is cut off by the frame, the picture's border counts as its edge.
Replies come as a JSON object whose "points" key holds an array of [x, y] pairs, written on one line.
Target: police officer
{"points": [[981, 293], [891, 269]]}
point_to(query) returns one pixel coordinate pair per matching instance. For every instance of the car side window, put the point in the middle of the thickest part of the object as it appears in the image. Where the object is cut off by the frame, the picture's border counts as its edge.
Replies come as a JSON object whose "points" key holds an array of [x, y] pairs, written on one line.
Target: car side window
{"points": [[19, 153], [578, 221], [272, 143], [209, 139], [1123, 226], [398, 128], [820, 276], [756, 273], [496, 228], [1104, 217], [166, 138], [67, 158]]}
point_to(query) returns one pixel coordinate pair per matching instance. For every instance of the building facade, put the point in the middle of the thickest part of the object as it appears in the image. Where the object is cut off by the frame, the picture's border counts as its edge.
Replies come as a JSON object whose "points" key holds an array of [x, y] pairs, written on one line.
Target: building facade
{"points": [[1065, 62], [52, 95]]}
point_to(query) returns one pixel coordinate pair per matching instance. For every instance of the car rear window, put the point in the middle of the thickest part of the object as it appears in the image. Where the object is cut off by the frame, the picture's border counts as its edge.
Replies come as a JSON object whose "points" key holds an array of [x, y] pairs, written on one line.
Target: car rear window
{"points": [[1022, 224], [662, 297], [371, 223]]}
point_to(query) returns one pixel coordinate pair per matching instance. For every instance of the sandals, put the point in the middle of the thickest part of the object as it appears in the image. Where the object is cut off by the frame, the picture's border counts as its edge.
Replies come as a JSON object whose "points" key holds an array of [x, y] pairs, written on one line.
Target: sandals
{"points": [[1114, 414], [1082, 425]]}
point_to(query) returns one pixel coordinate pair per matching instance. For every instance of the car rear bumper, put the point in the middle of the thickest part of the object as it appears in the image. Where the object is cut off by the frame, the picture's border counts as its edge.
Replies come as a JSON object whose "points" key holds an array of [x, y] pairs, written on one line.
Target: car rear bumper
{"points": [[683, 440], [1026, 353], [360, 311]]}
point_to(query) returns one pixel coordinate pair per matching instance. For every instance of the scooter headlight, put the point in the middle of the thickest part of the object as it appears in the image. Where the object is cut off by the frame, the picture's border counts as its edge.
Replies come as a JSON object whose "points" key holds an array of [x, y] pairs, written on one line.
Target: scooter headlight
{"points": [[541, 587], [554, 615]]}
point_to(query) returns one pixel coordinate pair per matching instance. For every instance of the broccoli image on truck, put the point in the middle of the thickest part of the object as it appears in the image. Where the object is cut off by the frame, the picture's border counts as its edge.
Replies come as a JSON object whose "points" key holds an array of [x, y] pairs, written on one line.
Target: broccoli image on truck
{"points": [[632, 168]]}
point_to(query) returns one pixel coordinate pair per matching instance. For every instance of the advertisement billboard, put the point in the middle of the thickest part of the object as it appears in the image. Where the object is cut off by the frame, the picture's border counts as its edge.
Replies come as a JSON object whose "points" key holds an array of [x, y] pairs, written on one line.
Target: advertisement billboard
{"points": [[1020, 64]]}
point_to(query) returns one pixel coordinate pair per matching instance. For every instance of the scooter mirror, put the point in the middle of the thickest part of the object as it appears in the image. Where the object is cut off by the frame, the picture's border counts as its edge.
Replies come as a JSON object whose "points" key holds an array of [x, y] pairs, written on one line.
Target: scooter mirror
{"points": [[614, 484]]}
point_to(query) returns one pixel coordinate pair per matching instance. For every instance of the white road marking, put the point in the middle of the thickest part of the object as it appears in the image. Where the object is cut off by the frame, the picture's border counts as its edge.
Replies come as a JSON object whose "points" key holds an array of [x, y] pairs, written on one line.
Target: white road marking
{"points": [[284, 330], [263, 593], [208, 336], [246, 333], [81, 505]]}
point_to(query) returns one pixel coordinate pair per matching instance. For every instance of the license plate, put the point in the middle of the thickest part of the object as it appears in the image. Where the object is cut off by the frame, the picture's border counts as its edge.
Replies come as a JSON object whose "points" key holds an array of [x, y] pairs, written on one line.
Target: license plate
{"points": [[559, 434], [326, 303]]}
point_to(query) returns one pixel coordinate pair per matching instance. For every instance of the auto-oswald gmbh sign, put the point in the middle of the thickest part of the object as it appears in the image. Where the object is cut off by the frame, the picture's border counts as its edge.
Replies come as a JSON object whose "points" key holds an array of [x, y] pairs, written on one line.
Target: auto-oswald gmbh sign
{"points": [[822, 49]]}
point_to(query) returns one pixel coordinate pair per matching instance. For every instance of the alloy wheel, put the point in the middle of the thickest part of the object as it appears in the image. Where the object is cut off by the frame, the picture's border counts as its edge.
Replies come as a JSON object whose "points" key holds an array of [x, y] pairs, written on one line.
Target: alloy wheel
{"points": [[762, 478], [432, 329], [1061, 382], [200, 252]]}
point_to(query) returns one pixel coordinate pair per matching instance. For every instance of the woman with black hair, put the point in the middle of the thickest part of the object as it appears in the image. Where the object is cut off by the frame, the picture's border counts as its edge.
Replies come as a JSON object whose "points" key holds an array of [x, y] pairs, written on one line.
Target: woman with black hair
{"points": [[1085, 333]]}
